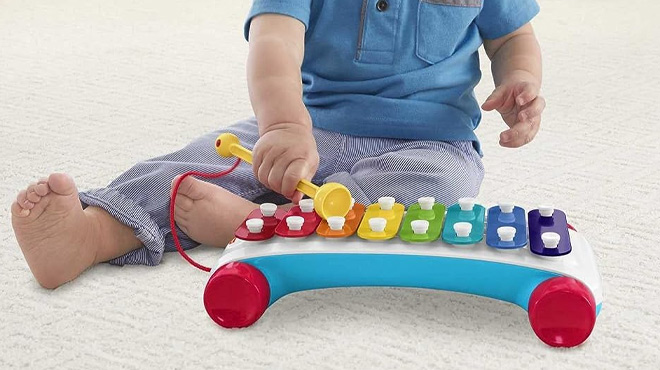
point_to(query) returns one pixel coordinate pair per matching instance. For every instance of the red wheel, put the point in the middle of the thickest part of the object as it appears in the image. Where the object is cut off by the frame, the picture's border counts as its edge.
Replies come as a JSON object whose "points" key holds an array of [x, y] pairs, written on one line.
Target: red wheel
{"points": [[236, 295], [562, 312]]}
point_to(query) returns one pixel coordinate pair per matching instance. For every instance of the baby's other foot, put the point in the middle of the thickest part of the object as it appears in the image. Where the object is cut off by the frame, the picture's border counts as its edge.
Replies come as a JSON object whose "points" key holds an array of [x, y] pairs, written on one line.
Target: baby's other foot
{"points": [[53, 231], [208, 213]]}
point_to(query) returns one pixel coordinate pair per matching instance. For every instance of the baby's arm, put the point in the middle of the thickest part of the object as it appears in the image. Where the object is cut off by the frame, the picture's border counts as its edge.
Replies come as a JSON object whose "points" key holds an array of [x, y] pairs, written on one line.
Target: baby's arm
{"points": [[286, 150], [516, 66]]}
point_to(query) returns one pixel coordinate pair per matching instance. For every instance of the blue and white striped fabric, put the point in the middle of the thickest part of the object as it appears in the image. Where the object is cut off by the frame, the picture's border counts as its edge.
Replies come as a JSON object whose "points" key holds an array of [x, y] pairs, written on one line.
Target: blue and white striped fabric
{"points": [[368, 167]]}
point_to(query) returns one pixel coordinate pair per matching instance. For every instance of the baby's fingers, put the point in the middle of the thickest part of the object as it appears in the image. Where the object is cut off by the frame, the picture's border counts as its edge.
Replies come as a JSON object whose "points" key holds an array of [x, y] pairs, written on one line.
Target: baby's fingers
{"points": [[532, 110], [297, 197], [521, 133], [526, 92], [263, 170], [496, 99], [276, 176], [296, 171]]}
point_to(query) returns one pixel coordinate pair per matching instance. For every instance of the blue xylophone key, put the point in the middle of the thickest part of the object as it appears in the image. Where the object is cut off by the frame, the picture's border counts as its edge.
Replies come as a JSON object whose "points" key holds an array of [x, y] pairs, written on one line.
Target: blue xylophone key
{"points": [[506, 227]]}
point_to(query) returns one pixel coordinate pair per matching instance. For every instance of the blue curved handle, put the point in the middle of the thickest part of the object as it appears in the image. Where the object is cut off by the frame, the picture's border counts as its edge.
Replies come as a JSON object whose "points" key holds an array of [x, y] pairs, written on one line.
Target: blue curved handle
{"points": [[297, 272]]}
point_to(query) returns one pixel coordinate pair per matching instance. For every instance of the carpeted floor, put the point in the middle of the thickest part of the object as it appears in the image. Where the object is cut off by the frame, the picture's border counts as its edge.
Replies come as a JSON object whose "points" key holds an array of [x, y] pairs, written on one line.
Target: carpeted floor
{"points": [[90, 87]]}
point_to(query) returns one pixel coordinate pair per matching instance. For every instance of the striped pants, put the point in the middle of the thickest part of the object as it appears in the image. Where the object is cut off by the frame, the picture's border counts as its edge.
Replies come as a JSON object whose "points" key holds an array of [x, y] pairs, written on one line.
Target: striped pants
{"points": [[368, 167]]}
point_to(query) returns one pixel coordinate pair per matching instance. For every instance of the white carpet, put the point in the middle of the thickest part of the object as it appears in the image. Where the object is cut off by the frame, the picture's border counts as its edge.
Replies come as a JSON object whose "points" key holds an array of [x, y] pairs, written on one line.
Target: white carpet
{"points": [[89, 87]]}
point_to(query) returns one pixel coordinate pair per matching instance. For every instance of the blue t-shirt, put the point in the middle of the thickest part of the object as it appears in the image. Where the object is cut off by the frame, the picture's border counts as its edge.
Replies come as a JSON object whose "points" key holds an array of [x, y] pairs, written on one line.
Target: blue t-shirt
{"points": [[401, 69]]}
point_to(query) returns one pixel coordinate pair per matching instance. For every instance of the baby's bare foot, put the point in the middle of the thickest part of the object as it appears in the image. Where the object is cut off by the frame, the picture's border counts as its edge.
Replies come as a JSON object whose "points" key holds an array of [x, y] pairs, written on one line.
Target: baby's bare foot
{"points": [[209, 214], [53, 231]]}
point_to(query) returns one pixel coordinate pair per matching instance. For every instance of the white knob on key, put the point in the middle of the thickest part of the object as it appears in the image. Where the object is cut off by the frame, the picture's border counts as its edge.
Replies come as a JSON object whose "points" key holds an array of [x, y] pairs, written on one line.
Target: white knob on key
{"points": [[550, 239], [426, 203], [295, 223], [462, 229], [386, 203], [466, 204], [419, 226], [255, 225], [506, 233], [306, 205], [377, 224], [268, 209], [546, 211], [505, 207], [336, 223]]}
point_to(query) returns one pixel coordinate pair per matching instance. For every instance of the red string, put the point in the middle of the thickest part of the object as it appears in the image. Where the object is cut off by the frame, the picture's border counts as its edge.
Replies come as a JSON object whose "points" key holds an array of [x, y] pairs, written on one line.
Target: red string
{"points": [[175, 189]]}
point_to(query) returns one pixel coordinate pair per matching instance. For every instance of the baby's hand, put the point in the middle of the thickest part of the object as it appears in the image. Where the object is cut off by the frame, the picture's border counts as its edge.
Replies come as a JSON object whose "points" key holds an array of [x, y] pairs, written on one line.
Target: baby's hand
{"points": [[519, 103], [283, 155]]}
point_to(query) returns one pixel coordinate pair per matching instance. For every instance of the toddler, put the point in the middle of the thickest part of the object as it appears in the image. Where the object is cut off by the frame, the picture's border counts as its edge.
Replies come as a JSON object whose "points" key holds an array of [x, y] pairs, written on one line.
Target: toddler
{"points": [[374, 94]]}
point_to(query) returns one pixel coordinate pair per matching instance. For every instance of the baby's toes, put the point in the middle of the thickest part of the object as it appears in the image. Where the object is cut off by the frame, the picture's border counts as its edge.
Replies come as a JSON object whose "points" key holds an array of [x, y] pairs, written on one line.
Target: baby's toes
{"points": [[42, 189], [23, 201], [32, 195], [18, 211]]}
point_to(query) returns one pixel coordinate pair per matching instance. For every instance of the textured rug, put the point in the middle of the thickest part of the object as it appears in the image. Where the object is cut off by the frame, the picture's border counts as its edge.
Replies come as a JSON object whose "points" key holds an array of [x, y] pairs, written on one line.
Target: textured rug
{"points": [[90, 87]]}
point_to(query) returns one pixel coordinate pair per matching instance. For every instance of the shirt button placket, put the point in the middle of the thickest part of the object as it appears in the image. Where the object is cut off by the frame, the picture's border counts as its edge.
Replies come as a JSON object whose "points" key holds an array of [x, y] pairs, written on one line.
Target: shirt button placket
{"points": [[377, 35]]}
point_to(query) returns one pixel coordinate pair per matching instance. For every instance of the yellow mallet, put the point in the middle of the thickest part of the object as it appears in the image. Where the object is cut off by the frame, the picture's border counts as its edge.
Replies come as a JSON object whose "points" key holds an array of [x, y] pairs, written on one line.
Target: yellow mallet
{"points": [[331, 199]]}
